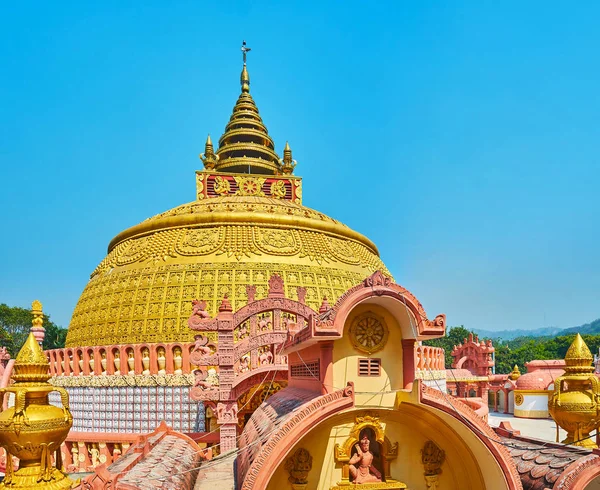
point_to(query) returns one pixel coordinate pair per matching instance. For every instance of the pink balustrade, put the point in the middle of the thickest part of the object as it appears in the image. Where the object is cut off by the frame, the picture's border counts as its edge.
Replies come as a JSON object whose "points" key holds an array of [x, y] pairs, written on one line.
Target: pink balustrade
{"points": [[429, 358], [171, 358]]}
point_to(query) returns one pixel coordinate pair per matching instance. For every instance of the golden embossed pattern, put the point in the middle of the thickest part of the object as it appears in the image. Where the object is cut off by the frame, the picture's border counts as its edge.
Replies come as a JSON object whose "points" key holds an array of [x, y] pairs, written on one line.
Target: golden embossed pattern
{"points": [[153, 303], [142, 290]]}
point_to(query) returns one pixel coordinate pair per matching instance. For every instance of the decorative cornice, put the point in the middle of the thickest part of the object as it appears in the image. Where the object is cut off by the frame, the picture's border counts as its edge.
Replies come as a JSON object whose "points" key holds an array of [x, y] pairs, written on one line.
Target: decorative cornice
{"points": [[244, 211], [282, 440], [123, 380]]}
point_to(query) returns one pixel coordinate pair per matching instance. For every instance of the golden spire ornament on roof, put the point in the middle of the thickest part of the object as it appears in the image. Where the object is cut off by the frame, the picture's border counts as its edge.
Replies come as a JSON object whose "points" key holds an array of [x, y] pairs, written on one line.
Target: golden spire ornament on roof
{"points": [[575, 403], [287, 164], [209, 158], [33, 430]]}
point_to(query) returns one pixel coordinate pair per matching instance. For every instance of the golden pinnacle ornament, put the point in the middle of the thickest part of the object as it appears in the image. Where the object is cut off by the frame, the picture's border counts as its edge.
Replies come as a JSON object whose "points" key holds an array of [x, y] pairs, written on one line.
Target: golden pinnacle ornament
{"points": [[33, 430], [575, 403]]}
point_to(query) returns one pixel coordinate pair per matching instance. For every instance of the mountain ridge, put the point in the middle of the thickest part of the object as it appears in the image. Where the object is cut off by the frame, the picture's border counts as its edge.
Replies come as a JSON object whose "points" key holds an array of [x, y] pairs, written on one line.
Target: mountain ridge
{"points": [[592, 328]]}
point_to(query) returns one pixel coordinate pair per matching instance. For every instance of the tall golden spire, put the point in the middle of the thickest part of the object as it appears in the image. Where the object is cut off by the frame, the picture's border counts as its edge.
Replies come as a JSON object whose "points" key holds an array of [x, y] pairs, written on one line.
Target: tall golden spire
{"points": [[246, 146]]}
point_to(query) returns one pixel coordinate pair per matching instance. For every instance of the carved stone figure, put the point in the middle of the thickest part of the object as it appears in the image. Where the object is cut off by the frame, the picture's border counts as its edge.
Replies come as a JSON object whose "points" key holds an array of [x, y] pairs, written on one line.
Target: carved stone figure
{"points": [[243, 332], [432, 458], [298, 466], [244, 364], [199, 313], [117, 362], [103, 362], [266, 357], [116, 452], [200, 345], [131, 362], [91, 363], [177, 360], [161, 360], [94, 455], [200, 379], [361, 465], [146, 361], [227, 412]]}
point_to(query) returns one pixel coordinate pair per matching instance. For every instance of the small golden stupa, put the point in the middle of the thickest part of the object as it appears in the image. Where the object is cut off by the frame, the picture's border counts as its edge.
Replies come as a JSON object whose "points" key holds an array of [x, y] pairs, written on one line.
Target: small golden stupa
{"points": [[515, 373], [575, 403], [33, 430]]}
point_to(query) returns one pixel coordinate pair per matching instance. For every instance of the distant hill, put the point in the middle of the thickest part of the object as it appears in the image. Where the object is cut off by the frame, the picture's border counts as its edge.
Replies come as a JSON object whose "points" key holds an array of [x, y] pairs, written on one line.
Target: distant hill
{"points": [[592, 328]]}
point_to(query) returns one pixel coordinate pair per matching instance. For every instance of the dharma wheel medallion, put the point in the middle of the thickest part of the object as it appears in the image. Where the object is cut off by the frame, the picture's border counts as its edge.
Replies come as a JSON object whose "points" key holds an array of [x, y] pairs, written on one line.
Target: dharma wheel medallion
{"points": [[368, 333]]}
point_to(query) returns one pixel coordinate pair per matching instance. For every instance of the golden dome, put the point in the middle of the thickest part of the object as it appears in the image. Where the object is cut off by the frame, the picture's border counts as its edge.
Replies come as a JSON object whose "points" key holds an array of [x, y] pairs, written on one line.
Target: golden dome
{"points": [[142, 290], [233, 236]]}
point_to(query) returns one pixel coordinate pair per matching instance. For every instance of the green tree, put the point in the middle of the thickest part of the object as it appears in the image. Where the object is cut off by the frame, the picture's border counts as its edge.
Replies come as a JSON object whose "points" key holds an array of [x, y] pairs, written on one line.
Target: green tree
{"points": [[15, 323]]}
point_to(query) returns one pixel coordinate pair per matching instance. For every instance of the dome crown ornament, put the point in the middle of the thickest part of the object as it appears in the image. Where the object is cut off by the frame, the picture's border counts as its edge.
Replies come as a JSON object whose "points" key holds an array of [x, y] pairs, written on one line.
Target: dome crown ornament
{"points": [[246, 146]]}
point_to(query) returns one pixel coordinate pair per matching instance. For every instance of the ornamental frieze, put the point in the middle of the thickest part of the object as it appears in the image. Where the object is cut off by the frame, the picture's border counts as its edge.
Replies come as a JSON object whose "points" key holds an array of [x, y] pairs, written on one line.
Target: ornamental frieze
{"points": [[200, 241], [123, 380], [209, 185], [239, 242]]}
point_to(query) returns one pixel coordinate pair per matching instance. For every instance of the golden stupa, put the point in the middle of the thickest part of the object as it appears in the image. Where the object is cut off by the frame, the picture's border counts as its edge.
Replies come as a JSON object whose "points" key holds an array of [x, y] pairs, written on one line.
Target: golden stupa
{"points": [[247, 223]]}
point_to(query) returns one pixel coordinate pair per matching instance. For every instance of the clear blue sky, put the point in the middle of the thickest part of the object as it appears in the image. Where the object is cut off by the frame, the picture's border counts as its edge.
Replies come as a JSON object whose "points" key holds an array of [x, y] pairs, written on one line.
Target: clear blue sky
{"points": [[461, 137]]}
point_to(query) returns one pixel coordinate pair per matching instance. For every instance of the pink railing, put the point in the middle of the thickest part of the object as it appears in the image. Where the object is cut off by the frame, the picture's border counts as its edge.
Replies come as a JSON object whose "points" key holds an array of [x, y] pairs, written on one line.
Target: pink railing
{"points": [[478, 405], [429, 358], [173, 358]]}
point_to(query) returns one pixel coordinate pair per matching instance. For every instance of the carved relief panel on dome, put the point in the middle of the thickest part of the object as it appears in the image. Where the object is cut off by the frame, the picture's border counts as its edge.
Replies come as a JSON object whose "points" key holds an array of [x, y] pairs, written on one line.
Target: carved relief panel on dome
{"points": [[219, 184], [264, 322], [242, 331]]}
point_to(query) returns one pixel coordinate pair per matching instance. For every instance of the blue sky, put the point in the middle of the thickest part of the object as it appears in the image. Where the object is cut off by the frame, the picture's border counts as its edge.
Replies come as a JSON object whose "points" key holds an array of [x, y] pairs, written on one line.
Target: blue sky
{"points": [[461, 137]]}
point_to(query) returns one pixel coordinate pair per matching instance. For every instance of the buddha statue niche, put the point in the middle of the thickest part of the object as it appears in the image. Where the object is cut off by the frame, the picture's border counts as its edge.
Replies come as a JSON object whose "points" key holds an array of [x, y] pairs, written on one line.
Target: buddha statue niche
{"points": [[146, 361], [177, 361], [117, 362], [161, 360]]}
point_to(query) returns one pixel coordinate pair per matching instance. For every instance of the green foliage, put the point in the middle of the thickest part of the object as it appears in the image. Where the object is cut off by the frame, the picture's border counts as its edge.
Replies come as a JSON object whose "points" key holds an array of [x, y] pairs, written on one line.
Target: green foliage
{"points": [[516, 351], [15, 323], [525, 349]]}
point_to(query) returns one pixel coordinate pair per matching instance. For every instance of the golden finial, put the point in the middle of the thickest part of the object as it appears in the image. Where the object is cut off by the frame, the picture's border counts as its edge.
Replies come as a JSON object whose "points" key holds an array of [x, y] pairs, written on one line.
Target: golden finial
{"points": [[33, 430], [209, 158], [37, 327], [578, 357], [575, 402], [515, 374], [36, 311], [244, 77], [287, 163], [31, 364]]}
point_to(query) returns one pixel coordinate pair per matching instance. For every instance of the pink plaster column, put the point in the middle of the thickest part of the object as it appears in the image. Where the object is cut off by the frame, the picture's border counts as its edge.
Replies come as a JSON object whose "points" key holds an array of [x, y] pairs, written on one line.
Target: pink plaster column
{"points": [[408, 361], [227, 407], [326, 367]]}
